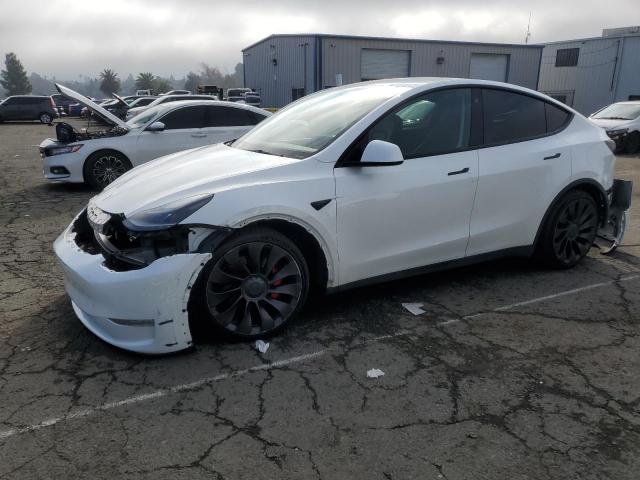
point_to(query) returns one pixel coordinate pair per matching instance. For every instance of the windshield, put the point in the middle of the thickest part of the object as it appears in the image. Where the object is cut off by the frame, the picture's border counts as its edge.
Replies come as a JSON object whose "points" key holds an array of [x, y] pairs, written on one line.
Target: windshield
{"points": [[143, 118], [619, 111], [311, 124]]}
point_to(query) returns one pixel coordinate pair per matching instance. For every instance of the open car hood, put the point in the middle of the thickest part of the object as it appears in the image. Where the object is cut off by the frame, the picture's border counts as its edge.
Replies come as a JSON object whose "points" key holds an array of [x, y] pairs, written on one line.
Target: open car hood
{"points": [[120, 99], [94, 107]]}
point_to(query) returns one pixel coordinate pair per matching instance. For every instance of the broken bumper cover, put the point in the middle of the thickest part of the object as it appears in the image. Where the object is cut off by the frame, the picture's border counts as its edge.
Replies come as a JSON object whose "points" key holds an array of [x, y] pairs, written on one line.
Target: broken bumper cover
{"points": [[142, 310]]}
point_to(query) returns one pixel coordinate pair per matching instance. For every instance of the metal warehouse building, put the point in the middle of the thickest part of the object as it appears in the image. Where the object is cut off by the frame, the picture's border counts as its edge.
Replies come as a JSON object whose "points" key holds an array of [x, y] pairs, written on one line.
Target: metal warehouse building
{"points": [[591, 73], [285, 67]]}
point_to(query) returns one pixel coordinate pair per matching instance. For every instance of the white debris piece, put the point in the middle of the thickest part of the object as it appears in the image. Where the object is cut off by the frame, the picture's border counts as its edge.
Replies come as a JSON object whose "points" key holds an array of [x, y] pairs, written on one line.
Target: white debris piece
{"points": [[374, 373], [261, 346], [415, 308]]}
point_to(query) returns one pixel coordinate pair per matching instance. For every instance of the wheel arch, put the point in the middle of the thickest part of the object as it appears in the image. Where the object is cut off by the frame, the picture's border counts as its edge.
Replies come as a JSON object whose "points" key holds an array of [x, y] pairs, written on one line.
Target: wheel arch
{"points": [[310, 243], [587, 185], [98, 151]]}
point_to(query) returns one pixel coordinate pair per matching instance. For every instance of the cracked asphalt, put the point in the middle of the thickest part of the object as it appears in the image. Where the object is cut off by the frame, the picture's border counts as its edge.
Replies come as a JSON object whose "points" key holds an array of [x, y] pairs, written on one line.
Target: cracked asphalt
{"points": [[513, 372]]}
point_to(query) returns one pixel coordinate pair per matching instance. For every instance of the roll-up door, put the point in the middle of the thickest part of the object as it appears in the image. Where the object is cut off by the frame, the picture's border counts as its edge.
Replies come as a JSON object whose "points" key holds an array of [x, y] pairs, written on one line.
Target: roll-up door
{"points": [[384, 63], [488, 66]]}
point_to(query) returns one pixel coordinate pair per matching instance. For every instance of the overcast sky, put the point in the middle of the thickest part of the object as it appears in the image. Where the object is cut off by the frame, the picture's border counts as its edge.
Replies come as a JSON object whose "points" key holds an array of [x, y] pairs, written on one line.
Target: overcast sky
{"points": [[69, 38]]}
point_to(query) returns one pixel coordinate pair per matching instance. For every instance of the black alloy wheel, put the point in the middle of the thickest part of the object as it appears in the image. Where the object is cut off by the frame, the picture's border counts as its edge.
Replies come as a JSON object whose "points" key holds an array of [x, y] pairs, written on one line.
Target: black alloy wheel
{"points": [[255, 284], [103, 168], [571, 231]]}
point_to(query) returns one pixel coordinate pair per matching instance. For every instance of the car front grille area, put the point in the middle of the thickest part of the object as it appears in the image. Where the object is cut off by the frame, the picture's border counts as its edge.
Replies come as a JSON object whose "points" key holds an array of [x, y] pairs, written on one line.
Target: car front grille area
{"points": [[126, 250]]}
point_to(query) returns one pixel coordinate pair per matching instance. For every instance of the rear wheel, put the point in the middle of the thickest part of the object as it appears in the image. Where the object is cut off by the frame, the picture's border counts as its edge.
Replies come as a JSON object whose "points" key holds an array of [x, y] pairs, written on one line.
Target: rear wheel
{"points": [[102, 168], [632, 143], [255, 284], [570, 230], [45, 118]]}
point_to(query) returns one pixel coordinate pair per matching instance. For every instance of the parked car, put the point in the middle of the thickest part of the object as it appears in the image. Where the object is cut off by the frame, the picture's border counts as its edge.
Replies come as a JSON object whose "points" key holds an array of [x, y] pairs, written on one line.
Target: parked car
{"points": [[99, 157], [252, 98], [28, 107], [622, 123], [357, 184], [176, 92], [141, 102], [166, 99], [236, 94], [143, 92]]}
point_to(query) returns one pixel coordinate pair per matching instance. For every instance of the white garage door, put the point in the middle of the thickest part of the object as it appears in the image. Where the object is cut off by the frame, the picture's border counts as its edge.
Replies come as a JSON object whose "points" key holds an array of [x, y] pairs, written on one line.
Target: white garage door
{"points": [[384, 63], [489, 67]]}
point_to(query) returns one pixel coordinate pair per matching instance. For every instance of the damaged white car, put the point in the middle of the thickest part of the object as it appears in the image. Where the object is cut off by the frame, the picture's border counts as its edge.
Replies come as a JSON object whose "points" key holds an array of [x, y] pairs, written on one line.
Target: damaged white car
{"points": [[98, 155], [356, 184]]}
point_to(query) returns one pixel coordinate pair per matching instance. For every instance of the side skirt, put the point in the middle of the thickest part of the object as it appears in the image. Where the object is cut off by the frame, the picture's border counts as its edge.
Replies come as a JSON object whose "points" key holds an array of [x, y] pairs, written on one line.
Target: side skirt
{"points": [[526, 251]]}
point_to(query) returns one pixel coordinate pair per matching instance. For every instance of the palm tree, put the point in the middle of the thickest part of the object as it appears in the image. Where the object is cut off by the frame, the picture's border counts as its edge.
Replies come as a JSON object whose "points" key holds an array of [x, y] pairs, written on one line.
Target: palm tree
{"points": [[109, 81], [145, 81]]}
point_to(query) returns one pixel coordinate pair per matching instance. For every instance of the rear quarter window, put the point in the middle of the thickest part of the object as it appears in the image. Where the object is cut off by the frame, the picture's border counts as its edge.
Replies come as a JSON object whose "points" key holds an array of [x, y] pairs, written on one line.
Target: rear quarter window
{"points": [[557, 118]]}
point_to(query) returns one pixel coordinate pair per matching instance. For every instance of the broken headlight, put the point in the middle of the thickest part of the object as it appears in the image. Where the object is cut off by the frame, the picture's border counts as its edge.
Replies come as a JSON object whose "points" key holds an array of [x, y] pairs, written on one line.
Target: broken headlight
{"points": [[167, 215]]}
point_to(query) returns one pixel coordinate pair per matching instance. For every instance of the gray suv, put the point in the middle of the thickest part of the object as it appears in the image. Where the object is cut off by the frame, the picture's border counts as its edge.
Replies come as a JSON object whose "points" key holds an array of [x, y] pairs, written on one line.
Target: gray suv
{"points": [[28, 107]]}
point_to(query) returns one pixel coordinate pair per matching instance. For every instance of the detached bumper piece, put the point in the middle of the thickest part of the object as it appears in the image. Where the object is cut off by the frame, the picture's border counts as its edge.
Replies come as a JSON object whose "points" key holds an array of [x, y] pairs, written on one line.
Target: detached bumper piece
{"points": [[142, 309], [611, 233]]}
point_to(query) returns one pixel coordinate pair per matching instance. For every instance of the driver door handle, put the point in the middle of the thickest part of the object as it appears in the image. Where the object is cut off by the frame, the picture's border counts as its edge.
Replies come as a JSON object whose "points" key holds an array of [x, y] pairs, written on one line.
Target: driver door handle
{"points": [[551, 157], [198, 135], [458, 172]]}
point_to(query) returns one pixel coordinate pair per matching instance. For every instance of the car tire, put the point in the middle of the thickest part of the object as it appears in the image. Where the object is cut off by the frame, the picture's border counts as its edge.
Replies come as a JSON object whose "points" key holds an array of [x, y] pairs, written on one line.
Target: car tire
{"points": [[45, 118], [102, 168], [569, 230], [632, 143], [255, 284]]}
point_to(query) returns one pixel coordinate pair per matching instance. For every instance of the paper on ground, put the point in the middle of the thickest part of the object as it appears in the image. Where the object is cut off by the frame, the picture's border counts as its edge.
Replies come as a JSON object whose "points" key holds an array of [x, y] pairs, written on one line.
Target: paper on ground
{"points": [[414, 308], [261, 346], [374, 373]]}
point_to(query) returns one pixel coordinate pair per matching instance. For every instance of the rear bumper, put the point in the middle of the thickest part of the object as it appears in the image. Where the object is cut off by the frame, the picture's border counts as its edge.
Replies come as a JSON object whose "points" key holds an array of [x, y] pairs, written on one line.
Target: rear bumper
{"points": [[143, 310]]}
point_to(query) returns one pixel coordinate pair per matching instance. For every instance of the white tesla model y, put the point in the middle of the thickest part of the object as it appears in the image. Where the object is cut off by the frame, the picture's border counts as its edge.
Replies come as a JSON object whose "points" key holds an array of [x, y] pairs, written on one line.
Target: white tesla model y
{"points": [[356, 184]]}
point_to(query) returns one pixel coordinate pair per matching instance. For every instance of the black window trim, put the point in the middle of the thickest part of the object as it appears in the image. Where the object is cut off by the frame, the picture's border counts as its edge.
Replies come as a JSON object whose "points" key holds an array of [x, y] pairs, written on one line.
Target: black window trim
{"points": [[534, 137], [476, 137]]}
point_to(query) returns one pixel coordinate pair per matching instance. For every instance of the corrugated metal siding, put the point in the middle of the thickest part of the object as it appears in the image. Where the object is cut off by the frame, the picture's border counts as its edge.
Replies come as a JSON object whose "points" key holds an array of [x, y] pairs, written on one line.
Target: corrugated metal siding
{"points": [[629, 73], [343, 56], [598, 79], [276, 82]]}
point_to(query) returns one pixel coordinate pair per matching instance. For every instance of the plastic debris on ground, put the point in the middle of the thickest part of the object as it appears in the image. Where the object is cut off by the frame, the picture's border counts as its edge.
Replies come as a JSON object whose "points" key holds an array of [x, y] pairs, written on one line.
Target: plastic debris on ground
{"points": [[261, 346], [374, 373], [415, 308]]}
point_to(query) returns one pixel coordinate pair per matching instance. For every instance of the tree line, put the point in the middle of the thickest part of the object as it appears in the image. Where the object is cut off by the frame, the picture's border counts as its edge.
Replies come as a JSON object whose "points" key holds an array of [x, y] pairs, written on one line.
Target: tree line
{"points": [[15, 81]]}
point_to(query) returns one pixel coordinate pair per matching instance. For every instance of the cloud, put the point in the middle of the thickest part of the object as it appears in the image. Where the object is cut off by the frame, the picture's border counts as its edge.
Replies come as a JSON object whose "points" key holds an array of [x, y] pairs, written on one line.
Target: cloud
{"points": [[67, 38]]}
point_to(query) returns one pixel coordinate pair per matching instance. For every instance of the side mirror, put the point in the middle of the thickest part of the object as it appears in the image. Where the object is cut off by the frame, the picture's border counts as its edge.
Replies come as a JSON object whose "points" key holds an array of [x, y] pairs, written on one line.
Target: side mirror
{"points": [[156, 127], [380, 154]]}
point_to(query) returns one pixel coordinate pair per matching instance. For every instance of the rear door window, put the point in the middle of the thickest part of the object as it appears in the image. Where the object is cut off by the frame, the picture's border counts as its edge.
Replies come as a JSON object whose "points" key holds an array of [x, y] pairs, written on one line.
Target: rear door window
{"points": [[511, 117], [219, 116]]}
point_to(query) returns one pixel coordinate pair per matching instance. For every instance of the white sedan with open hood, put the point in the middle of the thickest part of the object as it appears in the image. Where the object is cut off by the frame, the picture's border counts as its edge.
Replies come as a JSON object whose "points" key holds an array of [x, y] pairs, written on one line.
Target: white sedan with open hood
{"points": [[100, 154], [355, 184]]}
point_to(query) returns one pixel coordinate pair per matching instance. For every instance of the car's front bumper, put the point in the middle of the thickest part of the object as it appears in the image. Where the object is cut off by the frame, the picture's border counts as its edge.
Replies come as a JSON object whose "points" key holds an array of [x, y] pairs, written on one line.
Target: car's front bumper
{"points": [[142, 310], [70, 163]]}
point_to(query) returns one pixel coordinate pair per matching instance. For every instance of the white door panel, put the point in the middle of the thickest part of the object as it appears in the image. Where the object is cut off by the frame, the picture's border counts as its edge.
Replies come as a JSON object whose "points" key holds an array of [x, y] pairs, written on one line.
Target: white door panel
{"points": [[156, 144], [516, 185], [400, 217]]}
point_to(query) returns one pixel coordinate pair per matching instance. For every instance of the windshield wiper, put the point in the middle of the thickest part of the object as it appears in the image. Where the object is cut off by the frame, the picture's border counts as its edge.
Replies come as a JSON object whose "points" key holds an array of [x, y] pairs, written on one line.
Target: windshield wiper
{"points": [[614, 118], [258, 150]]}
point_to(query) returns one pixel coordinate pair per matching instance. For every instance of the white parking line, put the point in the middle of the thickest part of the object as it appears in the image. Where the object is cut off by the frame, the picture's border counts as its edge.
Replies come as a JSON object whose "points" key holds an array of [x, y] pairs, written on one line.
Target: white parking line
{"points": [[276, 364], [184, 387]]}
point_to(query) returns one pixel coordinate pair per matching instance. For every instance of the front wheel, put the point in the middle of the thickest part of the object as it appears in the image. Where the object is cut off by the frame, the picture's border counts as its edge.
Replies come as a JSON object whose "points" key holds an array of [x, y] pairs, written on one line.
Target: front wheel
{"points": [[570, 230], [45, 118], [255, 284], [102, 168]]}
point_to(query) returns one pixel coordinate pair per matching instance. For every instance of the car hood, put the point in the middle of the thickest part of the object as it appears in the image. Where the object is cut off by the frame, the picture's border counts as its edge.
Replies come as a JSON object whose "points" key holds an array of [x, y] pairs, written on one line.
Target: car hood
{"points": [[108, 116], [209, 169], [610, 124]]}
